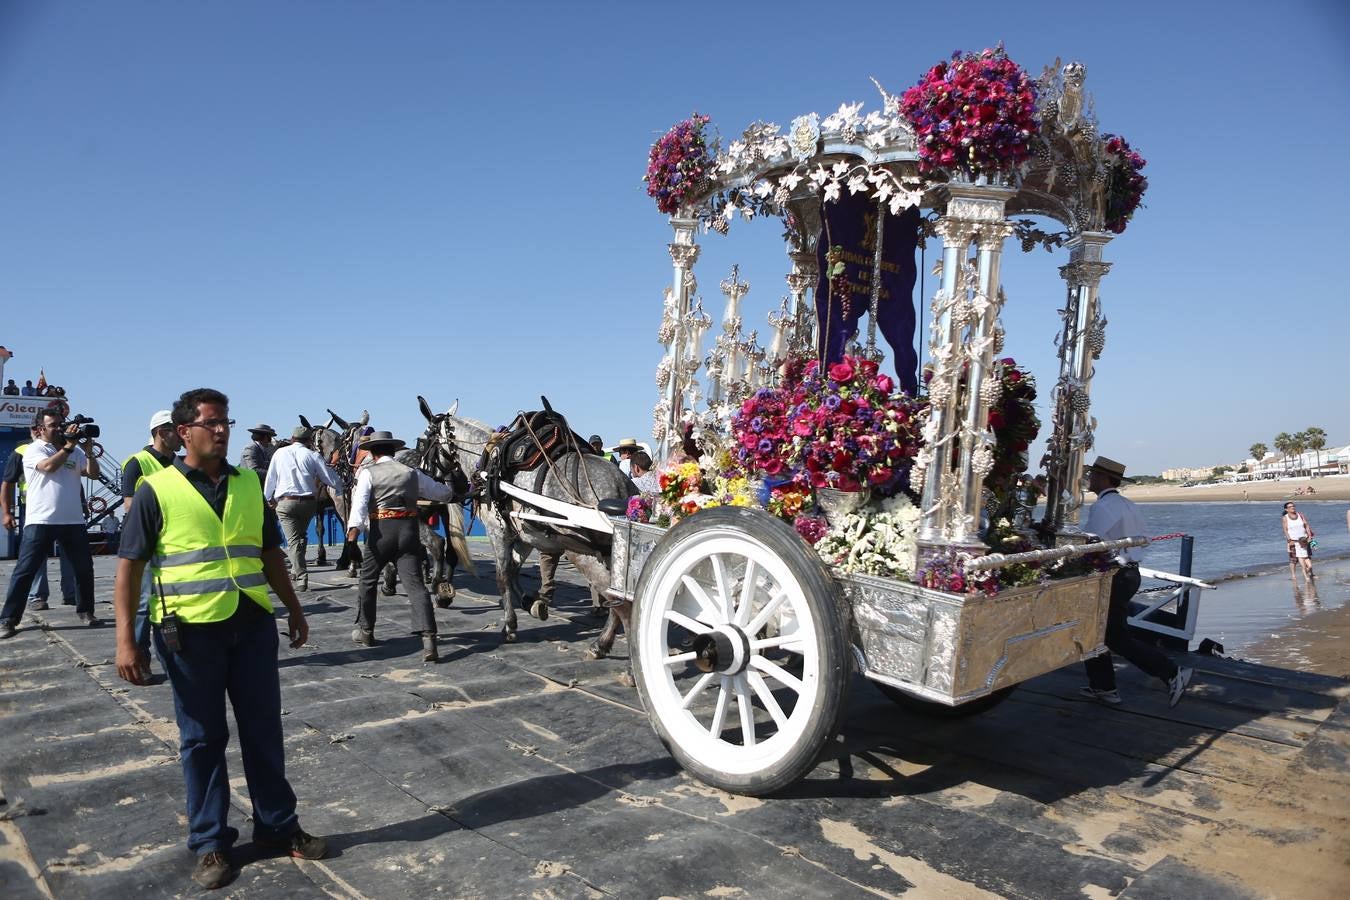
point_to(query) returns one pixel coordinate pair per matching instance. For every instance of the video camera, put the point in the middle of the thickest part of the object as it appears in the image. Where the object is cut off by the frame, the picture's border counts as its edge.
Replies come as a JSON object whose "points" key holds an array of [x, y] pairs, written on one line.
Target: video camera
{"points": [[86, 431]]}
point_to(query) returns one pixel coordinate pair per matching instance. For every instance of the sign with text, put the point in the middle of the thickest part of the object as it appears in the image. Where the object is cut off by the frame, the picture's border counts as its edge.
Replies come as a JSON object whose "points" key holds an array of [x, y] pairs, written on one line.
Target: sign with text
{"points": [[18, 412]]}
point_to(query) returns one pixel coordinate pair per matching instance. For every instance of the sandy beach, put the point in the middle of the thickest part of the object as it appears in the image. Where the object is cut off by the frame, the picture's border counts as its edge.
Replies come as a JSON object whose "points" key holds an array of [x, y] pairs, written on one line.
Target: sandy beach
{"points": [[1334, 487], [1320, 641]]}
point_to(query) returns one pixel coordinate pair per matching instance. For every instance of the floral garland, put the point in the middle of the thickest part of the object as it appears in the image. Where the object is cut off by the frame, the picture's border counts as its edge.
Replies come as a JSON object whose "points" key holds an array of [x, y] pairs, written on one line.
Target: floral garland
{"points": [[976, 113], [1015, 423], [874, 540], [1125, 185], [947, 572], [678, 165]]}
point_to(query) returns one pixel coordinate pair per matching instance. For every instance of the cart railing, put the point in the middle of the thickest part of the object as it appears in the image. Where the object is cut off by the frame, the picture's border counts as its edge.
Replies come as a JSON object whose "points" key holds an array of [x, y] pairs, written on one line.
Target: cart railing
{"points": [[999, 560]]}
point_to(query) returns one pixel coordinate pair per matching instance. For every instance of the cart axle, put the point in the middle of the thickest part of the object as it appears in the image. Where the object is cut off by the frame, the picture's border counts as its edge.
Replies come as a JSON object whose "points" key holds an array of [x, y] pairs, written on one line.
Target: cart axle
{"points": [[725, 650]]}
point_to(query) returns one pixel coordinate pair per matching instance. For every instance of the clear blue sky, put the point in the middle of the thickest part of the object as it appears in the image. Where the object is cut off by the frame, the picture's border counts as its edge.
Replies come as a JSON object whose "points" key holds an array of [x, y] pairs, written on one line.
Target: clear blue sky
{"points": [[312, 204]]}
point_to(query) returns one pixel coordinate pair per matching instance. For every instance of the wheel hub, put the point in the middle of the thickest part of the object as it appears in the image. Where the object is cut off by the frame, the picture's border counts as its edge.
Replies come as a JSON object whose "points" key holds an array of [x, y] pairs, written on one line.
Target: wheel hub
{"points": [[724, 650]]}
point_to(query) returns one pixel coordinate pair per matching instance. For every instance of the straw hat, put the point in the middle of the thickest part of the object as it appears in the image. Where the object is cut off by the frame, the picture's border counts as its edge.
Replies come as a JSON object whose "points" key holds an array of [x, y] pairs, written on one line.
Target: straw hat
{"points": [[626, 444], [1108, 466], [381, 440]]}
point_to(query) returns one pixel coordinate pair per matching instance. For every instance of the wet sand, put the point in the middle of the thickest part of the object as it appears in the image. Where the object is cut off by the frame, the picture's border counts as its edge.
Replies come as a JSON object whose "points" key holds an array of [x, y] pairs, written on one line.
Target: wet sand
{"points": [[1319, 641]]}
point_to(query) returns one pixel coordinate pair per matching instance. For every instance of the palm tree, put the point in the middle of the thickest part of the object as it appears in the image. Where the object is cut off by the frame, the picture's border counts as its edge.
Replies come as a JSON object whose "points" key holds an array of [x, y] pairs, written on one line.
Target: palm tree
{"points": [[1317, 440], [1284, 443], [1258, 452], [1298, 442]]}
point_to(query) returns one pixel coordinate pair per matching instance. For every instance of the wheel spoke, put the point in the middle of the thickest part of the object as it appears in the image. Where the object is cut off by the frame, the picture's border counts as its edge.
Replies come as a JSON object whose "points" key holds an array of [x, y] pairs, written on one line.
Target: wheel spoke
{"points": [[747, 718], [701, 597], [767, 699], [697, 689], [747, 592], [720, 709], [778, 640], [686, 623], [763, 615], [778, 673], [723, 589], [678, 658]]}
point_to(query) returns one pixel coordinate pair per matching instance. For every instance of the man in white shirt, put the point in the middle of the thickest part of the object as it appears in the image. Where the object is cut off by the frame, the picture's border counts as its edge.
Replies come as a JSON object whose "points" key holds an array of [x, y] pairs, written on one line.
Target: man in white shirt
{"points": [[1112, 518], [292, 487], [384, 505], [52, 467]]}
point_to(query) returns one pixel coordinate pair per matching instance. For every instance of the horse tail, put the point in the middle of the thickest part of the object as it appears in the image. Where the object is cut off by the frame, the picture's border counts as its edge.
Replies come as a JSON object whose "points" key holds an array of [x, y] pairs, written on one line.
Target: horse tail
{"points": [[454, 534]]}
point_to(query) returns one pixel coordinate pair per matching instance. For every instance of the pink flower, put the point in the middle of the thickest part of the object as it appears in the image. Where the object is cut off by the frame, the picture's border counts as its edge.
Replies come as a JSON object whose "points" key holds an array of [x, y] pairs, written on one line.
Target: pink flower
{"points": [[841, 371], [885, 384]]}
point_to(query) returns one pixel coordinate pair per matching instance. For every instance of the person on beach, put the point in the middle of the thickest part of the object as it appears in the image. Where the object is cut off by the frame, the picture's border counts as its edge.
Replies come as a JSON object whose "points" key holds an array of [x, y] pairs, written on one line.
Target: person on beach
{"points": [[1298, 535], [164, 444], [215, 548], [1112, 518], [384, 505]]}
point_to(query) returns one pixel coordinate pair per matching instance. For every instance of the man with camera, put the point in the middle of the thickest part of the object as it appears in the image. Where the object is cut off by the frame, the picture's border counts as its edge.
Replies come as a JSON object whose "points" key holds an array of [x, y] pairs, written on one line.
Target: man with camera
{"points": [[52, 467], [12, 487]]}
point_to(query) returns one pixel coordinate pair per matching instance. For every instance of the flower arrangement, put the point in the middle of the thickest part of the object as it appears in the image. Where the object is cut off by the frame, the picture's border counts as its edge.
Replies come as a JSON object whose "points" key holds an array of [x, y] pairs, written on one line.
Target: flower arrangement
{"points": [[875, 540], [760, 431], [1125, 185], [812, 528], [678, 164], [790, 500], [1015, 424], [850, 427], [947, 572], [976, 113], [639, 509]]}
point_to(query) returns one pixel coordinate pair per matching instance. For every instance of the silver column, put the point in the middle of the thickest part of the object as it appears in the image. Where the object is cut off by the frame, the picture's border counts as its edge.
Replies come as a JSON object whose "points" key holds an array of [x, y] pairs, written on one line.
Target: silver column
{"points": [[684, 254], [1081, 342]]}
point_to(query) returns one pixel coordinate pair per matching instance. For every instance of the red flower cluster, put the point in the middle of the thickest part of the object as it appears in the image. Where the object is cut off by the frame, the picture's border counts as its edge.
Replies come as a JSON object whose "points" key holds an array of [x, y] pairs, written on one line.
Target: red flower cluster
{"points": [[678, 164], [1125, 185], [845, 428], [1015, 426], [976, 113]]}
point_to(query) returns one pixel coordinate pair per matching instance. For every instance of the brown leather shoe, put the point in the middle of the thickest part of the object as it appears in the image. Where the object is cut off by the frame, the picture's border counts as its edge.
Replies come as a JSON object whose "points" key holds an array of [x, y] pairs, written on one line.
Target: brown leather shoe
{"points": [[300, 845], [213, 871]]}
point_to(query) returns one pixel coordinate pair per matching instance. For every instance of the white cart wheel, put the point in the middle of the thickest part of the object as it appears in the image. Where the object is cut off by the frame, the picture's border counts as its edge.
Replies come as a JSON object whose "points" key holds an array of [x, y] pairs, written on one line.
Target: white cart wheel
{"points": [[739, 649]]}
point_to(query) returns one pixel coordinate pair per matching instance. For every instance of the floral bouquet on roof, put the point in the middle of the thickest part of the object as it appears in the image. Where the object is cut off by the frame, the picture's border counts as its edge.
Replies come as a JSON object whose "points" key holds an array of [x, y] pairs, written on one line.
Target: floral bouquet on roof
{"points": [[1125, 182], [678, 164], [975, 113]]}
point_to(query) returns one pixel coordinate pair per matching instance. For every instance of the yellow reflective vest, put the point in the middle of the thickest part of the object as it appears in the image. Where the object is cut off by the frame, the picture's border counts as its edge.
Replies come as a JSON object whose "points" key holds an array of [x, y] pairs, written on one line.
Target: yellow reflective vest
{"points": [[149, 465], [201, 561], [23, 481]]}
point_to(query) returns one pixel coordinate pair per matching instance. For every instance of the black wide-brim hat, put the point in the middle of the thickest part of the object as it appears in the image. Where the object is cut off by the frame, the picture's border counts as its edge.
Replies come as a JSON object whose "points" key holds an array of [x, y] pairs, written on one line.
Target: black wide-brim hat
{"points": [[382, 440]]}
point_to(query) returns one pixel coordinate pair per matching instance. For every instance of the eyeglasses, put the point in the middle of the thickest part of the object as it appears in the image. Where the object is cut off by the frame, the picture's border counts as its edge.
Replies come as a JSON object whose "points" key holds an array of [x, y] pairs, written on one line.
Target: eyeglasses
{"points": [[213, 424]]}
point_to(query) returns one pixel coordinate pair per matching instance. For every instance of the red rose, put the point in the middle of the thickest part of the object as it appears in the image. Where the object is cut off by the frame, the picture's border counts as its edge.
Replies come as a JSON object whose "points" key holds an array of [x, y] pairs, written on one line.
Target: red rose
{"points": [[868, 367], [841, 371], [885, 384], [1014, 376]]}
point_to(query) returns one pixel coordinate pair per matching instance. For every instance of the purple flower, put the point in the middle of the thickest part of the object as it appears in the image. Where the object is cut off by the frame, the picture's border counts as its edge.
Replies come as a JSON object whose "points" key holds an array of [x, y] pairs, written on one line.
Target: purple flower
{"points": [[765, 445], [832, 401], [757, 424]]}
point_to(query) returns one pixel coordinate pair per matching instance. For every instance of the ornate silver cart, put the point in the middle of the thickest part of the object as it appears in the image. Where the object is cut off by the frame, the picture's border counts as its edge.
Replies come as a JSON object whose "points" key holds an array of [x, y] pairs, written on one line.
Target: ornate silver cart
{"points": [[743, 641]]}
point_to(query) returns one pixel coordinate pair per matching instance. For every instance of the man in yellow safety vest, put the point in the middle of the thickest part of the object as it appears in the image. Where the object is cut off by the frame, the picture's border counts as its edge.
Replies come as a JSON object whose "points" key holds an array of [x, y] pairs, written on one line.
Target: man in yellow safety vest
{"points": [[213, 547]]}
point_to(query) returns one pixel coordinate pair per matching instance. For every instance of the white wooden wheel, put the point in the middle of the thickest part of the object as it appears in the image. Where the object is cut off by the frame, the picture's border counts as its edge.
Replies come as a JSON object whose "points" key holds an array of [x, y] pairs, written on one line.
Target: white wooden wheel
{"points": [[738, 649]]}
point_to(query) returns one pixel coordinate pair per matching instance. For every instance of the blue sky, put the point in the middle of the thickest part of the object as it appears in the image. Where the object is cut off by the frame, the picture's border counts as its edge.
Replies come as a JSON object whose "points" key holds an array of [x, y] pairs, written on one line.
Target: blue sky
{"points": [[346, 204]]}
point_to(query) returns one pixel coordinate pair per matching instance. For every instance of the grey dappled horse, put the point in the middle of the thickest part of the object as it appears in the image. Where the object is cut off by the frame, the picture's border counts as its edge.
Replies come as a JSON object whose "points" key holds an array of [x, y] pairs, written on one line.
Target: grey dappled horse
{"points": [[573, 478]]}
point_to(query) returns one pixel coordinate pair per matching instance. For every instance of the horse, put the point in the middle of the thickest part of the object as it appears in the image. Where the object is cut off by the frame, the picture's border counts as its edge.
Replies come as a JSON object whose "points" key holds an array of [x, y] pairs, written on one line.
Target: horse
{"points": [[336, 449], [575, 478]]}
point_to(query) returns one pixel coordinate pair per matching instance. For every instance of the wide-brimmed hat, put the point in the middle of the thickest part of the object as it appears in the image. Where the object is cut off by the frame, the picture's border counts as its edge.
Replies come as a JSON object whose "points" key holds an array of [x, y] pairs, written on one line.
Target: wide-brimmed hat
{"points": [[260, 428], [301, 433], [626, 444], [161, 418], [378, 440], [1108, 466]]}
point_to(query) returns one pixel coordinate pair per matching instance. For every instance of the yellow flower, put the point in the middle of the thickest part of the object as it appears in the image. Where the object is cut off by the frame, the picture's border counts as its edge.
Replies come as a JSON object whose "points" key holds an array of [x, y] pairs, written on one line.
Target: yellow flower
{"points": [[690, 470], [742, 500]]}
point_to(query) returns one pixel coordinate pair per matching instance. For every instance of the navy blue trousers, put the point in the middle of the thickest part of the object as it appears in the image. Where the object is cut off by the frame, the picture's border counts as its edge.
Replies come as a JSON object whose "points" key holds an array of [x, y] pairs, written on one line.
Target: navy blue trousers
{"points": [[1100, 670], [235, 659], [33, 552]]}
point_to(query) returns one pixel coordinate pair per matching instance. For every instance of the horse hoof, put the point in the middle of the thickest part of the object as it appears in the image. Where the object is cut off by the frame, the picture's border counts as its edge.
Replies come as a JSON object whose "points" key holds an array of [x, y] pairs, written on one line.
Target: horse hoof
{"points": [[539, 609], [627, 680], [509, 637], [446, 590], [387, 591], [599, 612], [593, 652]]}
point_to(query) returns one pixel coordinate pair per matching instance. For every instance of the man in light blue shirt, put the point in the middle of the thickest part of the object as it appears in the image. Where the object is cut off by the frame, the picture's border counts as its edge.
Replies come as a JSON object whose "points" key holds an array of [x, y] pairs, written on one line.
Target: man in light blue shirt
{"points": [[292, 486]]}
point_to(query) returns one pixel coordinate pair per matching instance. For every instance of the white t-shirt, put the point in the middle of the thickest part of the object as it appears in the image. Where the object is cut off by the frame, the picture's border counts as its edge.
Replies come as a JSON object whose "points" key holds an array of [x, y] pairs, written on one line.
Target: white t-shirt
{"points": [[53, 499]]}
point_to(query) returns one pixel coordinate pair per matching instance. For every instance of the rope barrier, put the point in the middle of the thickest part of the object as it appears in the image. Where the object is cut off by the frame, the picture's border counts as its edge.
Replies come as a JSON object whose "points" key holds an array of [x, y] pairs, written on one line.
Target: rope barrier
{"points": [[1168, 537]]}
